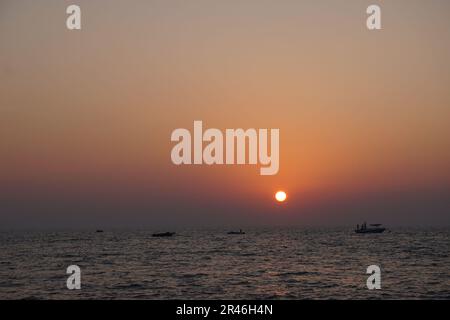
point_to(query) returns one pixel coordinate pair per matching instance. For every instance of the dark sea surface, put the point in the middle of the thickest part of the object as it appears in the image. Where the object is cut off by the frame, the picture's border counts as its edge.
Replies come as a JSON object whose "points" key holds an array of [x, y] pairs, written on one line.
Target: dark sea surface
{"points": [[209, 264]]}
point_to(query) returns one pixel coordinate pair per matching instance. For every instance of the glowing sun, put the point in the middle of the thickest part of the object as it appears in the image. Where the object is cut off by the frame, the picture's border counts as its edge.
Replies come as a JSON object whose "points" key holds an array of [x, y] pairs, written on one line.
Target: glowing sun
{"points": [[280, 196]]}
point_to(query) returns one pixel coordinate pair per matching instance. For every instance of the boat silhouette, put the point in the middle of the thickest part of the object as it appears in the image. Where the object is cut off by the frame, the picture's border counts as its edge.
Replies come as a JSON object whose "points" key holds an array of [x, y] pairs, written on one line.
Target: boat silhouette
{"points": [[373, 228], [163, 234], [236, 232]]}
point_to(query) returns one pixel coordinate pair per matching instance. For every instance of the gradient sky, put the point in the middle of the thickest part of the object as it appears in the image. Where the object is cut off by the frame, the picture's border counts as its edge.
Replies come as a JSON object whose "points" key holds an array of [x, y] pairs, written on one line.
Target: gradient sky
{"points": [[86, 116]]}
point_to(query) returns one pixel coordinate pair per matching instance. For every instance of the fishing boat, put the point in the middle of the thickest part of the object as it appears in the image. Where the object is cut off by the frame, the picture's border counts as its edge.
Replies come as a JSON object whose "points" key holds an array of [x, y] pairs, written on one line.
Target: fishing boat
{"points": [[163, 234], [236, 232], [373, 228]]}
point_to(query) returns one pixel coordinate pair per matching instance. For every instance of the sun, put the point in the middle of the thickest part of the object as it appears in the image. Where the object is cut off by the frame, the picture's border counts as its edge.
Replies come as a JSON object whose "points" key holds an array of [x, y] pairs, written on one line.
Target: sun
{"points": [[280, 196]]}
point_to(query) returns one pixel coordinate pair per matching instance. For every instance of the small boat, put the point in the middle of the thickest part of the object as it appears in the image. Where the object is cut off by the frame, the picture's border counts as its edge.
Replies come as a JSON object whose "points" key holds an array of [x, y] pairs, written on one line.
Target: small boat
{"points": [[163, 234], [373, 228], [98, 231], [236, 232]]}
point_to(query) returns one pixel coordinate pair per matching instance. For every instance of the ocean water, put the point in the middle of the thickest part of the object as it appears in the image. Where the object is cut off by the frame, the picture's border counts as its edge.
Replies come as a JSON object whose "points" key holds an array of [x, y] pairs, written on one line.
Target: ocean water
{"points": [[209, 264]]}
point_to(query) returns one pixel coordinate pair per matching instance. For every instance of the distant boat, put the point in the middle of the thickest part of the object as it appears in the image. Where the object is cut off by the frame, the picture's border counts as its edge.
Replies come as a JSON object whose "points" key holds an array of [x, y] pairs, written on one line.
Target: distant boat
{"points": [[98, 231], [373, 228], [236, 232], [163, 234]]}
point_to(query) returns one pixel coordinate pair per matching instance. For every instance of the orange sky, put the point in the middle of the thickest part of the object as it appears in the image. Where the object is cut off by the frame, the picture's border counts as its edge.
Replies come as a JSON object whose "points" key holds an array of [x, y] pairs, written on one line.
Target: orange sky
{"points": [[90, 113]]}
